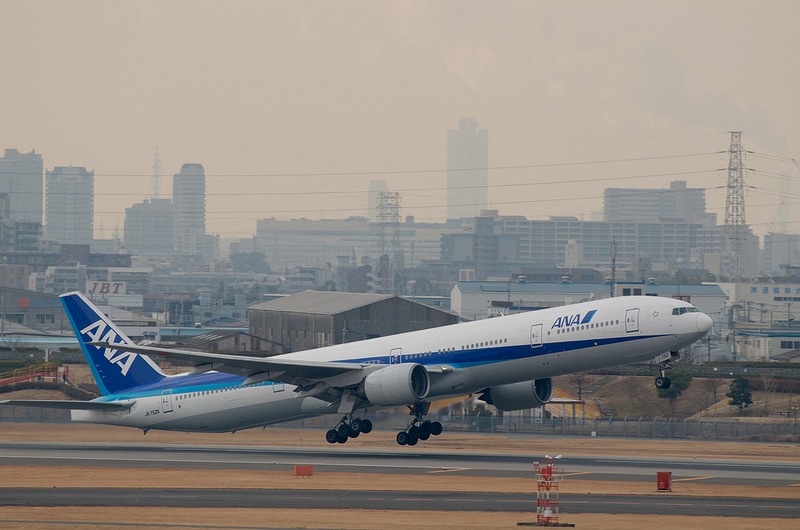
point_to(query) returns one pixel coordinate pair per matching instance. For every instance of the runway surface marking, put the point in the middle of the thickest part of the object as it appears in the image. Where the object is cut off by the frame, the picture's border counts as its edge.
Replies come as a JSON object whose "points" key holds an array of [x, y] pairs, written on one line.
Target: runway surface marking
{"points": [[578, 473], [694, 478], [451, 470]]}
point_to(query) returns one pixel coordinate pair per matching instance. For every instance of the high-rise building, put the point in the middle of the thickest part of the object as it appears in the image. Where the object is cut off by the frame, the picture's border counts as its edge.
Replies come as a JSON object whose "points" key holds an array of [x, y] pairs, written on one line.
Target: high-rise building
{"points": [[148, 228], [467, 169], [376, 187], [189, 210], [69, 205], [21, 177]]}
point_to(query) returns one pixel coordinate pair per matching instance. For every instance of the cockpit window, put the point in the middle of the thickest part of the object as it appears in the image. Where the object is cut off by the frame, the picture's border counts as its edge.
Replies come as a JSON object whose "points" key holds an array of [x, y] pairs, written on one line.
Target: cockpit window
{"points": [[682, 310]]}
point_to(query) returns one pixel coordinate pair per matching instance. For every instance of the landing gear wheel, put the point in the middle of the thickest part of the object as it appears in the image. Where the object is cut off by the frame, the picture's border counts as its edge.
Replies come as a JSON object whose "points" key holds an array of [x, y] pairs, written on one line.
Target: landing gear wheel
{"points": [[424, 430], [663, 383], [402, 438], [332, 436], [342, 439], [344, 430], [366, 426], [436, 428], [412, 439], [357, 426]]}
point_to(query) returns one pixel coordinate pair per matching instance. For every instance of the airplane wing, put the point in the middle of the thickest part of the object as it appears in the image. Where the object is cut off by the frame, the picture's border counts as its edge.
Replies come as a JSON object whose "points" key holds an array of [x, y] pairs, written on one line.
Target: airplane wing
{"points": [[68, 404], [296, 372]]}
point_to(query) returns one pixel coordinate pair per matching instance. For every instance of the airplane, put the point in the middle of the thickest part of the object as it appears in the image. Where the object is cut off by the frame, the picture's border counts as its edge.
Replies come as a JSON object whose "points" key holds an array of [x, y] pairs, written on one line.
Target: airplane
{"points": [[508, 361]]}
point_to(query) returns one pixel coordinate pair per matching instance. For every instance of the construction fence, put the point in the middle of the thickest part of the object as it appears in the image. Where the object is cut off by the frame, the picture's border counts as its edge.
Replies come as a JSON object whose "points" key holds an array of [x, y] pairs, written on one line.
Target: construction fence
{"points": [[731, 429], [722, 429]]}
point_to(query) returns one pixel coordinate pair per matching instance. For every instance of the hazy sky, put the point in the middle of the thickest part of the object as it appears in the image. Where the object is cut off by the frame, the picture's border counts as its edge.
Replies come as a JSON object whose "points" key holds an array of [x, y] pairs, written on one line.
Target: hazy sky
{"points": [[293, 107]]}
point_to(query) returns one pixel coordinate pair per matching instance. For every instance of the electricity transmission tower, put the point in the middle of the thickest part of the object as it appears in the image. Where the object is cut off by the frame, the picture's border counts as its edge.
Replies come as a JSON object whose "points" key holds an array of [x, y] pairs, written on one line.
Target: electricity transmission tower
{"points": [[734, 257], [389, 250]]}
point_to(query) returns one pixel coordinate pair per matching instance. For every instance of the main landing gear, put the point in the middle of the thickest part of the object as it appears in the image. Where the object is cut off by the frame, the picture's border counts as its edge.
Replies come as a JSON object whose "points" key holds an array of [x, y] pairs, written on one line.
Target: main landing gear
{"points": [[418, 429], [348, 427], [663, 382]]}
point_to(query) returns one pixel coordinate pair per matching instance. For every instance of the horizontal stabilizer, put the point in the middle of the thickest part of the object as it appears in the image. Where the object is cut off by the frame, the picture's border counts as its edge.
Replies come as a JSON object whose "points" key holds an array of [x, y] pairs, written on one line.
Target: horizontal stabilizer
{"points": [[68, 404], [276, 369]]}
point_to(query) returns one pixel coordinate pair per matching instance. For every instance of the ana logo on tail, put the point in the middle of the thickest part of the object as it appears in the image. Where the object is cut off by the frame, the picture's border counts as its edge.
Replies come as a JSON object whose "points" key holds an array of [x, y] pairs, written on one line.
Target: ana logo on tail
{"points": [[95, 331]]}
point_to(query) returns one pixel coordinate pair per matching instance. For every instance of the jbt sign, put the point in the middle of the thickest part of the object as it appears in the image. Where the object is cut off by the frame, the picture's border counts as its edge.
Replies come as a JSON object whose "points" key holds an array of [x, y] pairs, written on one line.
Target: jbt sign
{"points": [[95, 288]]}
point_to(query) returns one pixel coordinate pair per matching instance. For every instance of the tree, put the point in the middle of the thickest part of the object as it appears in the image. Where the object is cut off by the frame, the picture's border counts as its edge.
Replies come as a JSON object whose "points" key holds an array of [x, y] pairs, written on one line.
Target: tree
{"points": [[250, 262], [713, 385], [579, 381], [768, 386], [680, 382], [739, 393]]}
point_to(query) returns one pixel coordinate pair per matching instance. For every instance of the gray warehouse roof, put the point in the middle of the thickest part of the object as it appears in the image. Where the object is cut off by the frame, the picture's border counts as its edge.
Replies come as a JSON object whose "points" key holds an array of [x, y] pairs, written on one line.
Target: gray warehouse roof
{"points": [[321, 302]]}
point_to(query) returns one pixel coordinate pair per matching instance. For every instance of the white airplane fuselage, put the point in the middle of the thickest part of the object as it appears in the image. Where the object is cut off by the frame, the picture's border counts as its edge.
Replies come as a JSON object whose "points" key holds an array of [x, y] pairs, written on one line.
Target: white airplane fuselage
{"points": [[463, 358]]}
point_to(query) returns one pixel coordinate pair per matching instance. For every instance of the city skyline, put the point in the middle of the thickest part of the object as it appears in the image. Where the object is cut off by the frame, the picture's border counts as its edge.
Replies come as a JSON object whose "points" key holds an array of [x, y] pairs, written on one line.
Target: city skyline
{"points": [[292, 109]]}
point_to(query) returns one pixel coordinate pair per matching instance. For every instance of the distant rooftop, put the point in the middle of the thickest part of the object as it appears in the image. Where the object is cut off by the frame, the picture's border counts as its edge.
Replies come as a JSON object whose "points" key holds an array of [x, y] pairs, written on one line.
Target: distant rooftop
{"points": [[569, 287], [321, 302]]}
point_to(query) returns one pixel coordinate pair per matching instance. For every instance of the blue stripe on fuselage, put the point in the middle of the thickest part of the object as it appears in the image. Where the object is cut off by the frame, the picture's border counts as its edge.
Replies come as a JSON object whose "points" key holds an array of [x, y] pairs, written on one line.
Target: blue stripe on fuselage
{"points": [[456, 359]]}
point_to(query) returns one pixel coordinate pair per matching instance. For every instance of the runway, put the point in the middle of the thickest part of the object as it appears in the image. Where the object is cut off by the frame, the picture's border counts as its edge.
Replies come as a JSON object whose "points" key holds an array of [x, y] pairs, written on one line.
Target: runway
{"points": [[396, 500], [402, 461], [470, 466]]}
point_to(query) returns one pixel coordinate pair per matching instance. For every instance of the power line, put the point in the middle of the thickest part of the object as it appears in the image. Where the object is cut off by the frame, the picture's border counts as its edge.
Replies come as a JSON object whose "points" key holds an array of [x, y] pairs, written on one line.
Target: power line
{"points": [[414, 171]]}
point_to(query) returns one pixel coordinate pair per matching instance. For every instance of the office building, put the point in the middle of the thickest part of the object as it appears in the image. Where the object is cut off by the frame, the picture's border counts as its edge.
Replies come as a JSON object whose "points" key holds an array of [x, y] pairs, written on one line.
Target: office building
{"points": [[148, 228], [780, 250], [467, 169], [69, 205], [648, 204], [376, 187], [21, 178], [189, 210]]}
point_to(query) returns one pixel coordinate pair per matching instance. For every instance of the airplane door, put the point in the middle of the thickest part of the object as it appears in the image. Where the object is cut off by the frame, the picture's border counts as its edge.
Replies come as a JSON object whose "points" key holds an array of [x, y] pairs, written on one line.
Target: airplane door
{"points": [[536, 335], [166, 401], [632, 320], [395, 356]]}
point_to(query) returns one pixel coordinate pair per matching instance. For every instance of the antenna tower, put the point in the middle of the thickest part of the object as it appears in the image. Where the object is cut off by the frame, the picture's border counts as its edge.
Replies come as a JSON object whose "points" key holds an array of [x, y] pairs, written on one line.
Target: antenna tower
{"points": [[389, 250], [156, 180], [735, 230]]}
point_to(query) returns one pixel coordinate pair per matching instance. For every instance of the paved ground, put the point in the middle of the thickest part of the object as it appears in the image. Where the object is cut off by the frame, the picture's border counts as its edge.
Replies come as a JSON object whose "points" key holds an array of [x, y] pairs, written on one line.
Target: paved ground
{"points": [[166, 496]]}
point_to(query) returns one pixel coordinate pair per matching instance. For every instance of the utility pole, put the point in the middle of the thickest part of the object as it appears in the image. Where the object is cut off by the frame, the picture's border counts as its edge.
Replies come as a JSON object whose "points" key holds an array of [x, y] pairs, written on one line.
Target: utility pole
{"points": [[156, 177], [613, 265]]}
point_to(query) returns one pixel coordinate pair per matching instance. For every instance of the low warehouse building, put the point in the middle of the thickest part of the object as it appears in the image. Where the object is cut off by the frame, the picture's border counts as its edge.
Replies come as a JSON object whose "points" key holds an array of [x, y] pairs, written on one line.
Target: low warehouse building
{"points": [[312, 319]]}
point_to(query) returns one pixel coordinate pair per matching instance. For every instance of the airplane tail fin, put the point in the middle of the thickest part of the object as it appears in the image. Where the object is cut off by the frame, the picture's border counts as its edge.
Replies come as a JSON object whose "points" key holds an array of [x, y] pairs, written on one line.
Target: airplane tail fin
{"points": [[113, 370]]}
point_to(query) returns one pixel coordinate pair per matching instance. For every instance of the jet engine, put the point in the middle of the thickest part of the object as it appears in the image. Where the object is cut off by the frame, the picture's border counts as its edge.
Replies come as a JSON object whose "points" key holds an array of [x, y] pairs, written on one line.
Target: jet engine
{"points": [[398, 384], [518, 396]]}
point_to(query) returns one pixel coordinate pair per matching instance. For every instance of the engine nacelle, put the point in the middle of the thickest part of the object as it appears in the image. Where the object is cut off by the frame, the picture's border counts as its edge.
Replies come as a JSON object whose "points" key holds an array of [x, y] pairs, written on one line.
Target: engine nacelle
{"points": [[398, 384], [519, 396]]}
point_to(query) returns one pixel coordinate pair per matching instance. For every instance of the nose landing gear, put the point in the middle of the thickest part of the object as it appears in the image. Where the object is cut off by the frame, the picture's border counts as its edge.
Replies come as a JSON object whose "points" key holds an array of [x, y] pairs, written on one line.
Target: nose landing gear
{"points": [[663, 382], [419, 429]]}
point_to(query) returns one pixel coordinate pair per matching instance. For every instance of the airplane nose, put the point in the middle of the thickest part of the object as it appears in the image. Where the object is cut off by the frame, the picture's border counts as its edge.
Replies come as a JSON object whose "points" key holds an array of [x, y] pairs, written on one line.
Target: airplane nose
{"points": [[704, 323]]}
